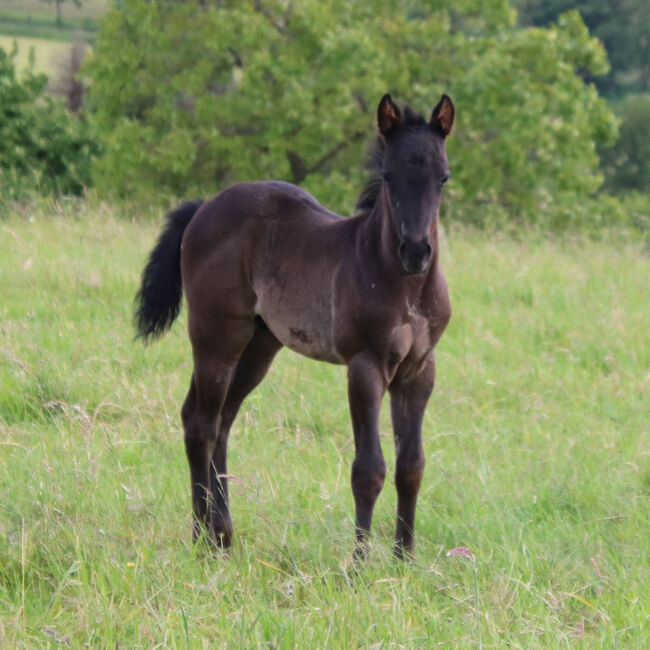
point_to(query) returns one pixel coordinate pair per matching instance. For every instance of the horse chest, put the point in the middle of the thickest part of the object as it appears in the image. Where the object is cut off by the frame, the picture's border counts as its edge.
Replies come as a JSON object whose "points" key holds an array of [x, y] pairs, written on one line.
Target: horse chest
{"points": [[409, 342]]}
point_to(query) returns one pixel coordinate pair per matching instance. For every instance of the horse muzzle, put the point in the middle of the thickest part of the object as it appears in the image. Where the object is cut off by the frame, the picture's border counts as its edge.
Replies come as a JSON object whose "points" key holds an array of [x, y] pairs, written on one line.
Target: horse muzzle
{"points": [[415, 256]]}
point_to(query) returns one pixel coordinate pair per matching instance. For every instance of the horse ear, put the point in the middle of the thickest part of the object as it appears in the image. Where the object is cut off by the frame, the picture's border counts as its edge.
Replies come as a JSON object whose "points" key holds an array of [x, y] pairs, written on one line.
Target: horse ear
{"points": [[388, 115], [443, 115]]}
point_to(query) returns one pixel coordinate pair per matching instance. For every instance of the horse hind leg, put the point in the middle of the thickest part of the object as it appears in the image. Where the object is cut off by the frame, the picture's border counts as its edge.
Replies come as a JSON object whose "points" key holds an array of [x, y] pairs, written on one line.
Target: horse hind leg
{"points": [[251, 369], [215, 360], [197, 429]]}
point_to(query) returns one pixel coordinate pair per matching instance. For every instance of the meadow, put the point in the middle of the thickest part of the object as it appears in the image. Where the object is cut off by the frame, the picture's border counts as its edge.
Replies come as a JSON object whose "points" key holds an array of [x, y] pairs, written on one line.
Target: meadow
{"points": [[31, 25], [537, 441], [38, 19], [47, 54]]}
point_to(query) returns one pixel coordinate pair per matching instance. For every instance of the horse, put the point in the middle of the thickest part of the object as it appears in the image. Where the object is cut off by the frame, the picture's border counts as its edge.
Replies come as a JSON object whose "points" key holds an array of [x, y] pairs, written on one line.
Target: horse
{"points": [[263, 265]]}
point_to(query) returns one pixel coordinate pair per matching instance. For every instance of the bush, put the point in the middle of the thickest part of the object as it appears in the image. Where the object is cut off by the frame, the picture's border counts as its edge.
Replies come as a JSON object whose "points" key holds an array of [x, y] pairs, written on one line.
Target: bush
{"points": [[43, 148]]}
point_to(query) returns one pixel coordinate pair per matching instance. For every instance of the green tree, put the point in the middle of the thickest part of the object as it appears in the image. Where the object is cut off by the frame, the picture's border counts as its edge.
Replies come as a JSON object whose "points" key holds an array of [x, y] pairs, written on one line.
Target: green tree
{"points": [[530, 139], [623, 27], [191, 97], [627, 163], [42, 147]]}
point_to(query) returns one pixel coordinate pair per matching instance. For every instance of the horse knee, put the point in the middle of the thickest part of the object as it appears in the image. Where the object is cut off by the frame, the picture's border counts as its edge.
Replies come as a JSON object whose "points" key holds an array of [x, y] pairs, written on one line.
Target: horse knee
{"points": [[186, 414], [199, 428], [408, 474], [368, 478]]}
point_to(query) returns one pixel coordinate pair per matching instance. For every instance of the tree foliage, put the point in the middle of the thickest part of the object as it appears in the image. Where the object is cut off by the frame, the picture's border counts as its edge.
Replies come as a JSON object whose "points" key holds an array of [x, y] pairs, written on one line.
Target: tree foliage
{"points": [[42, 147], [627, 163], [193, 96], [623, 27]]}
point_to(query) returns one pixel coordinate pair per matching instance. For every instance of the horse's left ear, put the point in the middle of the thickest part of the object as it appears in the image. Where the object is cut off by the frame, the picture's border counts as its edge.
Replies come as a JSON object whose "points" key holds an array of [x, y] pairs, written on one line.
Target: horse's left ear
{"points": [[443, 115]]}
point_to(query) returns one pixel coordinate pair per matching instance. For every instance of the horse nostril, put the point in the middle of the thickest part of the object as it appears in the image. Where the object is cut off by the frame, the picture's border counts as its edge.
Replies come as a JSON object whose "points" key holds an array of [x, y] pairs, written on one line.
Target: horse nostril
{"points": [[401, 251], [428, 250]]}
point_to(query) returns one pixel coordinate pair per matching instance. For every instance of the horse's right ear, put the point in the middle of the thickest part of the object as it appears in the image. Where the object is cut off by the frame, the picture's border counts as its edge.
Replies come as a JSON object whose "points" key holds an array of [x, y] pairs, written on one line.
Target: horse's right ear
{"points": [[388, 115]]}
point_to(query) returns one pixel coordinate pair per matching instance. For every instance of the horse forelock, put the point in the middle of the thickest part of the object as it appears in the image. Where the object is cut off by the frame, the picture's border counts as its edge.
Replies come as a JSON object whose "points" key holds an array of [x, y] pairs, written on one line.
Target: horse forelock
{"points": [[375, 161]]}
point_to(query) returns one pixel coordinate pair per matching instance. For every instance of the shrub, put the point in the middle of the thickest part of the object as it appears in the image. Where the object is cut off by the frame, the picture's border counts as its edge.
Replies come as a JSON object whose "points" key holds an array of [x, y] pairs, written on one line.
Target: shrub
{"points": [[43, 148]]}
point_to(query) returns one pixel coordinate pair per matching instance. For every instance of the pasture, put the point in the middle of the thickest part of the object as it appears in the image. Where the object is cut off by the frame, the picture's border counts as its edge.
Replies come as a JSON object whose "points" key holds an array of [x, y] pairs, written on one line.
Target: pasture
{"points": [[31, 24], [537, 441], [34, 18], [47, 54]]}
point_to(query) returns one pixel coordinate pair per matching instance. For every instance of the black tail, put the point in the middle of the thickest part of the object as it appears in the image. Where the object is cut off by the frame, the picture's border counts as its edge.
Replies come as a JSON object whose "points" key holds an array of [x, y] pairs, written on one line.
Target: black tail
{"points": [[158, 302]]}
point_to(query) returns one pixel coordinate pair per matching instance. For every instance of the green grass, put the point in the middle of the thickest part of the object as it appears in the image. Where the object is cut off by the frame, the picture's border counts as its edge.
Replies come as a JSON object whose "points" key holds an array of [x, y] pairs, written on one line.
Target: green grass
{"points": [[537, 444]]}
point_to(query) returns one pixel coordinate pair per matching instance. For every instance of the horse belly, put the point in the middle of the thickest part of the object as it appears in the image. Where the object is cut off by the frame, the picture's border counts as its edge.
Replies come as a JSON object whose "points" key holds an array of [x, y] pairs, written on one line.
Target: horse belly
{"points": [[301, 323]]}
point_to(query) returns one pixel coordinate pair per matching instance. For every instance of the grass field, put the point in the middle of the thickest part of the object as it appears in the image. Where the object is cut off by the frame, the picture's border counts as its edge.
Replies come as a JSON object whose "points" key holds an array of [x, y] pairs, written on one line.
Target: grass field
{"points": [[537, 443], [31, 25], [47, 54], [86, 9], [38, 19]]}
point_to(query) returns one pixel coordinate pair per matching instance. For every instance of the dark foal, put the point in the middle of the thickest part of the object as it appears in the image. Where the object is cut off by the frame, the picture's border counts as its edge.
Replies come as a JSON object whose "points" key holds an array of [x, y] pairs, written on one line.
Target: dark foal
{"points": [[264, 265]]}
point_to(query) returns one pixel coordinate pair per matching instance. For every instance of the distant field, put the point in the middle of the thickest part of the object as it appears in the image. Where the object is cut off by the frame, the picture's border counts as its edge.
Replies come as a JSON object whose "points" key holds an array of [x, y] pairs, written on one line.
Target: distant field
{"points": [[537, 442], [88, 8], [37, 19], [32, 23], [47, 53]]}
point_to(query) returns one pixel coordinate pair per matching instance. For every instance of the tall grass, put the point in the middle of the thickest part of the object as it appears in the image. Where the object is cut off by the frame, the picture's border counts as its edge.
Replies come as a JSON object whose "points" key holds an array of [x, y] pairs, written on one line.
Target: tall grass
{"points": [[537, 444]]}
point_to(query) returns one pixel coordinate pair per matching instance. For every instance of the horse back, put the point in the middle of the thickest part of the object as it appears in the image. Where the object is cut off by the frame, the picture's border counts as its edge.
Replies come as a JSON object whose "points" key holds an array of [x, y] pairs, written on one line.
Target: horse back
{"points": [[266, 249]]}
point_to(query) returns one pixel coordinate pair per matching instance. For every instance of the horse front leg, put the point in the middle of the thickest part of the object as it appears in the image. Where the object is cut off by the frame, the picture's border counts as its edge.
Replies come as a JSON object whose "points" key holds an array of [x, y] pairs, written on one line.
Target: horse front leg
{"points": [[408, 400], [366, 387]]}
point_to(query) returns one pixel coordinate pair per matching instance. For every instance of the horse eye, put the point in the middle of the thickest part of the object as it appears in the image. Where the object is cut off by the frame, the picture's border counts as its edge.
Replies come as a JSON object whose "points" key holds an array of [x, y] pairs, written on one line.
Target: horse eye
{"points": [[385, 175], [443, 180]]}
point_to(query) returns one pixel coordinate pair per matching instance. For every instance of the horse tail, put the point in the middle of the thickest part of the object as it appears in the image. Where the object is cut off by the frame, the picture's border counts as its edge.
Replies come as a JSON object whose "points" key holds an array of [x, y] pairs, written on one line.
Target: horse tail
{"points": [[158, 301]]}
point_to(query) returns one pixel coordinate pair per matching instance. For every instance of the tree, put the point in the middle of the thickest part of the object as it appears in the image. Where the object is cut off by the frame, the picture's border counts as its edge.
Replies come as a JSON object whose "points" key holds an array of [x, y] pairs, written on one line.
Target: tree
{"points": [[623, 27], [627, 163], [190, 98], [42, 147]]}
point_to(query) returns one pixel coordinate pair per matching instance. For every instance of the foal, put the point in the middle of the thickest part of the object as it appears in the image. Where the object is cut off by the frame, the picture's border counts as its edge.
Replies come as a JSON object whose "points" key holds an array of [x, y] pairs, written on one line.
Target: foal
{"points": [[264, 265]]}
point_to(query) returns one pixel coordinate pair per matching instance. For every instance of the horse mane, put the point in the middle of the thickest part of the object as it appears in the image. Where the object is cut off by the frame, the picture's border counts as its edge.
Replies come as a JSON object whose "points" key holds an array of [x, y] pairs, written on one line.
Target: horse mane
{"points": [[375, 160]]}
